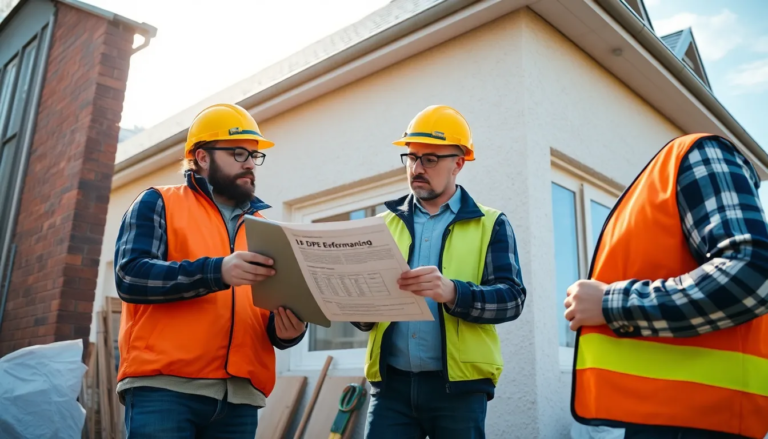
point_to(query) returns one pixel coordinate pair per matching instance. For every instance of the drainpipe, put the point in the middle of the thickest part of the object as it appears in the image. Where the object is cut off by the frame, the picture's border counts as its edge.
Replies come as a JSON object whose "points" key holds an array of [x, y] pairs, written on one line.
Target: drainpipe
{"points": [[27, 145]]}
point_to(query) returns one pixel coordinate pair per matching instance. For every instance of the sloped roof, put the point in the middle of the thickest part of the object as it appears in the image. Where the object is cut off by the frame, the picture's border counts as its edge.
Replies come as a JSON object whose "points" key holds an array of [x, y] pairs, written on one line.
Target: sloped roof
{"points": [[324, 55], [638, 7], [683, 45], [672, 40], [398, 29], [372, 24]]}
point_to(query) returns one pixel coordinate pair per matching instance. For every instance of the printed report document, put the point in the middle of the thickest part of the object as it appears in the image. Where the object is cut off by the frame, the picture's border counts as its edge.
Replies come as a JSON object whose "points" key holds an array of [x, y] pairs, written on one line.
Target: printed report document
{"points": [[343, 271]]}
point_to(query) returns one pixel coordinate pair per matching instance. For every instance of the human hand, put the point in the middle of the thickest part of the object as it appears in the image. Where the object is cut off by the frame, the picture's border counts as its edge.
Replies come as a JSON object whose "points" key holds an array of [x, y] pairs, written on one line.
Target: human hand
{"points": [[429, 282], [584, 304], [239, 269], [287, 325]]}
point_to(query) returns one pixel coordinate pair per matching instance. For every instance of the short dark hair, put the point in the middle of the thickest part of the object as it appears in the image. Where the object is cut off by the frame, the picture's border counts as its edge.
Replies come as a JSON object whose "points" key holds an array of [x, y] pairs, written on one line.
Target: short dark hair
{"points": [[192, 164]]}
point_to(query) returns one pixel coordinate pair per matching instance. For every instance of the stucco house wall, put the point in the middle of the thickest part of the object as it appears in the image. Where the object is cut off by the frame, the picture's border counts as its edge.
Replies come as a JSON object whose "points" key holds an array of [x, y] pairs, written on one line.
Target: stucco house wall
{"points": [[531, 97]]}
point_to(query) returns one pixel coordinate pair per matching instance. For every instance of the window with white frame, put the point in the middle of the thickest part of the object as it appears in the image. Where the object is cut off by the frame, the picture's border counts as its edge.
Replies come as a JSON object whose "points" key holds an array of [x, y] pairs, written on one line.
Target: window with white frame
{"points": [[341, 340], [341, 335], [580, 206]]}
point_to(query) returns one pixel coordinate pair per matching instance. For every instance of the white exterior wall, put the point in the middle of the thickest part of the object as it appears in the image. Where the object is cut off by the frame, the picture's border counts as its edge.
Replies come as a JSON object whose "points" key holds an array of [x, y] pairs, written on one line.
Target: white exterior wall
{"points": [[525, 90], [576, 107]]}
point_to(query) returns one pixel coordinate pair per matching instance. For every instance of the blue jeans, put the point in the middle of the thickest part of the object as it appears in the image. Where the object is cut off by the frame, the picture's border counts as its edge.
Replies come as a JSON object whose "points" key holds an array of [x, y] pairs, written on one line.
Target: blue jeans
{"points": [[416, 405], [159, 413]]}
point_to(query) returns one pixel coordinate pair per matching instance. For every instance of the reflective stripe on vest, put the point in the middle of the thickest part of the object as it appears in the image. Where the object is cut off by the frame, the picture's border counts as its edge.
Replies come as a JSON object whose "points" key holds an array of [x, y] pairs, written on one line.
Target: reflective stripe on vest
{"points": [[472, 350], [219, 335], [717, 381]]}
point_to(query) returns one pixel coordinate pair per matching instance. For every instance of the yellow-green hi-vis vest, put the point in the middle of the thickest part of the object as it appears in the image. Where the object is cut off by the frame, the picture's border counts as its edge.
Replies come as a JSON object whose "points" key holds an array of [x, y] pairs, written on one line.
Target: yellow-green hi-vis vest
{"points": [[471, 351]]}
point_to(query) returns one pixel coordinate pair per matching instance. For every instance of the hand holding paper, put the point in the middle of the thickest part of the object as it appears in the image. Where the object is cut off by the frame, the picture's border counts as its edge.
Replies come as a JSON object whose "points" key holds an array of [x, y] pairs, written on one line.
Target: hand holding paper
{"points": [[345, 271], [287, 325], [245, 268], [429, 282]]}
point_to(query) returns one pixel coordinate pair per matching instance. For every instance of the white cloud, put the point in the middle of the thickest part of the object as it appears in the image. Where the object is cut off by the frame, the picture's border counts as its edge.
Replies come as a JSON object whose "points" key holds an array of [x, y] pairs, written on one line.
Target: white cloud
{"points": [[750, 78], [761, 44], [716, 35]]}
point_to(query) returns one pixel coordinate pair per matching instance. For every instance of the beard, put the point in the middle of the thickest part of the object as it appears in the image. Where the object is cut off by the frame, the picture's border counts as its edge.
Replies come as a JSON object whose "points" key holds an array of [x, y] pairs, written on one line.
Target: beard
{"points": [[228, 187], [424, 193]]}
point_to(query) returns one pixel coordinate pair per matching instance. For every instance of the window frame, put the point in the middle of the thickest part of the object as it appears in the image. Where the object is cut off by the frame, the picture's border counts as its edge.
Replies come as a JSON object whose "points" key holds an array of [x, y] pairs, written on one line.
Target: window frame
{"points": [[301, 358], [591, 193], [586, 189]]}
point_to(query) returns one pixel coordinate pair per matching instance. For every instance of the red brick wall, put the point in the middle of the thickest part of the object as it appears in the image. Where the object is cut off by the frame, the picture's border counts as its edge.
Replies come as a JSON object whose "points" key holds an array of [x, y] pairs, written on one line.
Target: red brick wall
{"points": [[66, 190]]}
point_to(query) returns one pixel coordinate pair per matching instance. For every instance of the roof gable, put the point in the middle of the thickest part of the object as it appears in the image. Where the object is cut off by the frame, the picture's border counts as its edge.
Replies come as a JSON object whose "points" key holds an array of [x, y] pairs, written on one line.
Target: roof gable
{"points": [[638, 7], [683, 45]]}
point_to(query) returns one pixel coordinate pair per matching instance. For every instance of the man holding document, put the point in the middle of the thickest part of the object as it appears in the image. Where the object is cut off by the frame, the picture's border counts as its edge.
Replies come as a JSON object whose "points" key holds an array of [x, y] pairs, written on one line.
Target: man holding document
{"points": [[434, 378], [196, 356]]}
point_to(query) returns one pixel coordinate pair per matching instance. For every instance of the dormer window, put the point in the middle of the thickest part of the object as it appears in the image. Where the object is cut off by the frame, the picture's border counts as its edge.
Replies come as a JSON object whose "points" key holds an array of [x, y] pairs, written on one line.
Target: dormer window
{"points": [[639, 8], [683, 45]]}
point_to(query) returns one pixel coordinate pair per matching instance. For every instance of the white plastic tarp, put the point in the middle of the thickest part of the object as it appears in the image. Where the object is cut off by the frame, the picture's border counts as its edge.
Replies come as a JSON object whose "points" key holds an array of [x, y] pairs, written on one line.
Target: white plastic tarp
{"points": [[39, 386]]}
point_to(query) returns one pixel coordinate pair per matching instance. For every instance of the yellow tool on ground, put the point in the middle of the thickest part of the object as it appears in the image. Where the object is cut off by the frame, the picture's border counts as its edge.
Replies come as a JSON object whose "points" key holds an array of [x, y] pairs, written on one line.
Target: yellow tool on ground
{"points": [[352, 398]]}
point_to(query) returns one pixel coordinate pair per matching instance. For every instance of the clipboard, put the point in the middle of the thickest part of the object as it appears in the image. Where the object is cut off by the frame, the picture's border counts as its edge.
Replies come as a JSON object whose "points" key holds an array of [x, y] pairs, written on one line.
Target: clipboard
{"points": [[287, 288]]}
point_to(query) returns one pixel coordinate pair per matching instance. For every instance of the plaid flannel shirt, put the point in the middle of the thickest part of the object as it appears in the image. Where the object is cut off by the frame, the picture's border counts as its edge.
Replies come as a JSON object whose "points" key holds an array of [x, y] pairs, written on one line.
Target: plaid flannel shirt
{"points": [[724, 222], [501, 294], [143, 275]]}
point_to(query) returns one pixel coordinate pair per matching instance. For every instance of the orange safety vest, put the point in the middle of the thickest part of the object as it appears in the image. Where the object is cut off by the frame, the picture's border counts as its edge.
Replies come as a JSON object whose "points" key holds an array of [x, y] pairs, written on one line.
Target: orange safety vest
{"points": [[219, 335], [717, 381]]}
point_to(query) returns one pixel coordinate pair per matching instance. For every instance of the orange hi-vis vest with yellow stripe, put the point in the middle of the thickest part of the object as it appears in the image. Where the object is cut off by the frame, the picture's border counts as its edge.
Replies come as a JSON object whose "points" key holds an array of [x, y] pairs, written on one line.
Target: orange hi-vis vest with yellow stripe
{"points": [[217, 336], [716, 381]]}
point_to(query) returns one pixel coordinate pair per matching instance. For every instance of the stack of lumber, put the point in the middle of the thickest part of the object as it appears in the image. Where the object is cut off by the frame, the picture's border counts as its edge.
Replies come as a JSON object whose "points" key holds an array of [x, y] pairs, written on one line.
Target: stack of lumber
{"points": [[103, 411]]}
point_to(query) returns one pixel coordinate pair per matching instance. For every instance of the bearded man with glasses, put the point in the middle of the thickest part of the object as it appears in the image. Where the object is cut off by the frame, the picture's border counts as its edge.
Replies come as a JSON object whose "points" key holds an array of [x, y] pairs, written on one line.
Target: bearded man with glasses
{"points": [[434, 378], [196, 357]]}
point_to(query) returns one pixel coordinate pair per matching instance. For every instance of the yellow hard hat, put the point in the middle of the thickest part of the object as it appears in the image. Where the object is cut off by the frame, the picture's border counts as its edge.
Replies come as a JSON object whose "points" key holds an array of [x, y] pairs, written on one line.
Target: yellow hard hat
{"points": [[439, 125], [221, 122]]}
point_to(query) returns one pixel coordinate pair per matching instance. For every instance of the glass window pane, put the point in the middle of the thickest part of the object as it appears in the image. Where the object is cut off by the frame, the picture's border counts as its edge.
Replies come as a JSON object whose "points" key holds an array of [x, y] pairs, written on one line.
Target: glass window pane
{"points": [[598, 213], [7, 177], [5, 95], [566, 254], [341, 335], [380, 209], [23, 88], [358, 214]]}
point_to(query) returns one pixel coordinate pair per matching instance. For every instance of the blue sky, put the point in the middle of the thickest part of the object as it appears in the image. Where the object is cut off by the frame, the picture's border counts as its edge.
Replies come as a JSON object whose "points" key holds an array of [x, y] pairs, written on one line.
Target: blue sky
{"points": [[732, 37]]}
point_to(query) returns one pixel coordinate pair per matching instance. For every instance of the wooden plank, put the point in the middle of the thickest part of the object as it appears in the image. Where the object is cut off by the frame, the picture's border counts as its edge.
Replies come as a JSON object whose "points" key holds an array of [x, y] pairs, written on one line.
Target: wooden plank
{"points": [[114, 303], [324, 412], [281, 406], [105, 409], [113, 310], [114, 307], [315, 393], [90, 392]]}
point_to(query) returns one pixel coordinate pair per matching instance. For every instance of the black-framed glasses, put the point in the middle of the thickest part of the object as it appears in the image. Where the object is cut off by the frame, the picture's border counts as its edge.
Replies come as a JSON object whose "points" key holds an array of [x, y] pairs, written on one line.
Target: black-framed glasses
{"points": [[241, 154], [427, 160]]}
